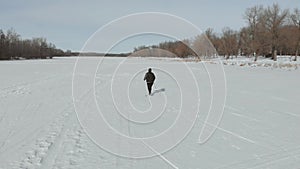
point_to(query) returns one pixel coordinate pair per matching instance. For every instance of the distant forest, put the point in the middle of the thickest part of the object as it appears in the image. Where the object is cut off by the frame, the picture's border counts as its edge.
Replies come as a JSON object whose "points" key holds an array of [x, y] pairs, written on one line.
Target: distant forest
{"points": [[270, 31], [13, 47]]}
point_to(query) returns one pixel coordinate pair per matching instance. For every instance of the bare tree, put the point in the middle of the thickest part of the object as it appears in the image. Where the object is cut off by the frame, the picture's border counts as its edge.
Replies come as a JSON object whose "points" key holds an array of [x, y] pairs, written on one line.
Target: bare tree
{"points": [[210, 41], [252, 16], [273, 19], [2, 45], [295, 18], [230, 42], [203, 46]]}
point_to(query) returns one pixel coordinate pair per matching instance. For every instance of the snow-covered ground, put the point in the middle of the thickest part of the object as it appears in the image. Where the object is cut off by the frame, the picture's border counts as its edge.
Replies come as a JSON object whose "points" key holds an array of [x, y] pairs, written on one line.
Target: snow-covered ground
{"points": [[283, 62], [48, 119]]}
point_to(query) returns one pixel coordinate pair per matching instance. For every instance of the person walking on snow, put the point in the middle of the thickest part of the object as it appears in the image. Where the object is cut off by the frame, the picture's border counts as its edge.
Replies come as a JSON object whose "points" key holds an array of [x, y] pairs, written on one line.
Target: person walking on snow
{"points": [[149, 77]]}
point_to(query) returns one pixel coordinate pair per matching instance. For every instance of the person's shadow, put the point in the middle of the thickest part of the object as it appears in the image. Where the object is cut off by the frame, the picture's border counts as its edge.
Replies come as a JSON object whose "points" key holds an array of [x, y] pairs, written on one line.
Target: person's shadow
{"points": [[158, 91]]}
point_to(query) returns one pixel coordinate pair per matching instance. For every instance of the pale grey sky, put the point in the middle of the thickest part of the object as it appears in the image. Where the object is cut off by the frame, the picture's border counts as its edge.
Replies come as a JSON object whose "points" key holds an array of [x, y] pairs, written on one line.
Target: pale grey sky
{"points": [[69, 23]]}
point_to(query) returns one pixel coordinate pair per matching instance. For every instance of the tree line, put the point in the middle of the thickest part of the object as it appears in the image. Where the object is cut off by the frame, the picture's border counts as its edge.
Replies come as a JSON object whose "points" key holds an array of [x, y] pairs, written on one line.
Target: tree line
{"points": [[12, 46], [269, 31], [175, 49]]}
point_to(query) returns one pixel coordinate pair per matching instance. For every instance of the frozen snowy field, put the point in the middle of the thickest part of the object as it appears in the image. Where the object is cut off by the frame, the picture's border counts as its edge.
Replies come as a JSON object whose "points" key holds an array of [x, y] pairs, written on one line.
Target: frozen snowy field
{"points": [[39, 126]]}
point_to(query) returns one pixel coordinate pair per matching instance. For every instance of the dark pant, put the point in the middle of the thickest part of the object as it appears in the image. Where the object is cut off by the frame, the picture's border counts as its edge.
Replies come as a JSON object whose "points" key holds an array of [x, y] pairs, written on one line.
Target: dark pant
{"points": [[149, 87]]}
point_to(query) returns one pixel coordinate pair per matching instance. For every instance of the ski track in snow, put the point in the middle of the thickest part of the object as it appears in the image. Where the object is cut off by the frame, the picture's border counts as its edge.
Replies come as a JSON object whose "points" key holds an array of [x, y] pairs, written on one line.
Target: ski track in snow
{"points": [[60, 147], [45, 148], [262, 161]]}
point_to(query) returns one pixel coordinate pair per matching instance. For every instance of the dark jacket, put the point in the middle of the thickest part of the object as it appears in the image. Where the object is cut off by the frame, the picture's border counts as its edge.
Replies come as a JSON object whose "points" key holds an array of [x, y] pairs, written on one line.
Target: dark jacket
{"points": [[149, 77]]}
